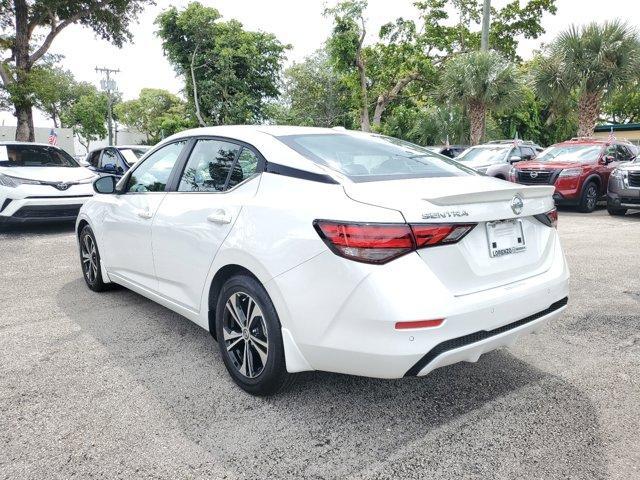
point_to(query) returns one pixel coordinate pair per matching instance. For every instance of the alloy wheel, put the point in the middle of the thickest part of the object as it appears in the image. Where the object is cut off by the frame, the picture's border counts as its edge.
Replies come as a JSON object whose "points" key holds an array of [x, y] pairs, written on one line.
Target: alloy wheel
{"points": [[89, 258], [245, 334], [592, 196]]}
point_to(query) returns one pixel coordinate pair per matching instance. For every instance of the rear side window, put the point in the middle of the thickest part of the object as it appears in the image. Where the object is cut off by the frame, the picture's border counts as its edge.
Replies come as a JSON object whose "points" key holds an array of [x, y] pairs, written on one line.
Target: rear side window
{"points": [[209, 166], [366, 158], [34, 156]]}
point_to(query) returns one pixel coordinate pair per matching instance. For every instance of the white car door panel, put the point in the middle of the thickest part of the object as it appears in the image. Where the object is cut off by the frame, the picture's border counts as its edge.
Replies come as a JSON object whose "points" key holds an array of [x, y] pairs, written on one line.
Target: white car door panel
{"points": [[192, 223], [128, 218]]}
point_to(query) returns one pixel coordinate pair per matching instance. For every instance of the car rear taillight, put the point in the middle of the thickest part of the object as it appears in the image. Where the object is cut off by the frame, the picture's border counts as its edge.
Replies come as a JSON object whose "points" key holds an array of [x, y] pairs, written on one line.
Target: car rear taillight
{"points": [[382, 242], [550, 219]]}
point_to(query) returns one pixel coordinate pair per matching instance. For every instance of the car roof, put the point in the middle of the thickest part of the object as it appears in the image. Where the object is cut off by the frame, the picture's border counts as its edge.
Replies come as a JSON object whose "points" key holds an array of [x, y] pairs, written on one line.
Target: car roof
{"points": [[592, 141], [36, 144]]}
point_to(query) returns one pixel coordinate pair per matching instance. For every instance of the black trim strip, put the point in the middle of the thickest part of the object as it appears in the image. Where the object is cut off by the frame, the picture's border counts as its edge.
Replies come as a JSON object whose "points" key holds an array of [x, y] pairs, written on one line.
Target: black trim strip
{"points": [[5, 204], [278, 169], [59, 197], [477, 336]]}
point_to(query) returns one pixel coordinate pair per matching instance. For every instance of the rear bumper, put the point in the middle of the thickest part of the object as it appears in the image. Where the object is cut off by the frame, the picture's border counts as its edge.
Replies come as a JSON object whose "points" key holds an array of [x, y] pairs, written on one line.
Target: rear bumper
{"points": [[347, 325]]}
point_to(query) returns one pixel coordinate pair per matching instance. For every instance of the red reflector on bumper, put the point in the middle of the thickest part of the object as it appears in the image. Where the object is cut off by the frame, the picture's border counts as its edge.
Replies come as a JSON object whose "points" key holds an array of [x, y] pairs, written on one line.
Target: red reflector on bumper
{"points": [[419, 324]]}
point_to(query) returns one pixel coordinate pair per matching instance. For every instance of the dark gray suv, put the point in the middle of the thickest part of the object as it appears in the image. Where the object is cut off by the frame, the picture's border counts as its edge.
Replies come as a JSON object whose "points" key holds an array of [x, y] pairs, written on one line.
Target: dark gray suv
{"points": [[623, 192]]}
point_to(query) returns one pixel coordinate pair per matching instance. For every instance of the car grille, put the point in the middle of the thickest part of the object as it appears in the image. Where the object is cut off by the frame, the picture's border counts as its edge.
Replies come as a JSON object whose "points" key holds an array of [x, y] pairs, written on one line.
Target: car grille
{"points": [[634, 179], [535, 177], [478, 336], [48, 211]]}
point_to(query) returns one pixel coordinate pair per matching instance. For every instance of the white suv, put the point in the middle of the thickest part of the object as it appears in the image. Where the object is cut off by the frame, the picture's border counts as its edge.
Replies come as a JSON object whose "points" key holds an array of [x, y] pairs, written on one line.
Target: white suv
{"points": [[41, 183], [304, 248]]}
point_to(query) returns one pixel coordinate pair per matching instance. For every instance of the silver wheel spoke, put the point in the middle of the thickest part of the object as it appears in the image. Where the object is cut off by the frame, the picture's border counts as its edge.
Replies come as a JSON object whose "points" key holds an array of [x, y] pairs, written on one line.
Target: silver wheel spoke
{"points": [[255, 312], [235, 313], [261, 354], [231, 334], [260, 342], [233, 344]]}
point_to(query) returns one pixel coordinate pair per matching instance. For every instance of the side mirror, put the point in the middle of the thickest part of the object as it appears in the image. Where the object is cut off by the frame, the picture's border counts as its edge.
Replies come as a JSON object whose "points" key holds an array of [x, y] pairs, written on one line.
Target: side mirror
{"points": [[105, 185], [608, 159], [514, 159]]}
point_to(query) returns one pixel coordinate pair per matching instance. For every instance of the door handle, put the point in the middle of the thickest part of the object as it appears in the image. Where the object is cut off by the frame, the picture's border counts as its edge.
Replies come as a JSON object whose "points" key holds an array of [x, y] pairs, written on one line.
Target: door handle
{"points": [[146, 214], [219, 217]]}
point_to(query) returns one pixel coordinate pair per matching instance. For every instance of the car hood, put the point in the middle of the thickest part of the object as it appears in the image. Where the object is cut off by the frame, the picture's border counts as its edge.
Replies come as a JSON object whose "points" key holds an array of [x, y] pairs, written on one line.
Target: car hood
{"points": [[629, 166], [480, 163], [548, 165], [49, 174]]}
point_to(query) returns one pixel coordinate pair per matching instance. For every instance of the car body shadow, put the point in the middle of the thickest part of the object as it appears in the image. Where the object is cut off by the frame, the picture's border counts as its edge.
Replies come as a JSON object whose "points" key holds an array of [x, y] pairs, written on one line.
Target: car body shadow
{"points": [[498, 418]]}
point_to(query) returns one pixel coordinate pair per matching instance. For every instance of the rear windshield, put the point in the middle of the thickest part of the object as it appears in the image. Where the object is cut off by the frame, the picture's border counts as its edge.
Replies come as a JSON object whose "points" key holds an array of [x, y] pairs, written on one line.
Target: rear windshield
{"points": [[570, 153], [368, 158], [34, 156]]}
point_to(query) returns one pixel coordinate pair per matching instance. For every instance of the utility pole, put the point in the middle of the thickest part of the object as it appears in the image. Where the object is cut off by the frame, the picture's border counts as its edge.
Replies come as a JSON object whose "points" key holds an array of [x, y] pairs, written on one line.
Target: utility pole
{"points": [[108, 85], [486, 14]]}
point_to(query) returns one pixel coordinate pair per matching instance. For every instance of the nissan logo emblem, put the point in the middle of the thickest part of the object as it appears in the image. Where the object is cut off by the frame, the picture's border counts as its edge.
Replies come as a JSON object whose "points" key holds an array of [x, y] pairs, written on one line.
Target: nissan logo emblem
{"points": [[533, 174], [517, 204]]}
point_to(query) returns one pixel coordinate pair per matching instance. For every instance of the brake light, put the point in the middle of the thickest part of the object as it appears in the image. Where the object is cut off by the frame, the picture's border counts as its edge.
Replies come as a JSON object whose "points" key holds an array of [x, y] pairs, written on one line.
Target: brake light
{"points": [[382, 242], [550, 219]]}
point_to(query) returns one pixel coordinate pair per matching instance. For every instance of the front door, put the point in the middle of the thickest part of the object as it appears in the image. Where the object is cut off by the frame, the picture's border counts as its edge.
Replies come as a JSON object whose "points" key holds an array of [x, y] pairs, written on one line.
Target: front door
{"points": [[127, 223]]}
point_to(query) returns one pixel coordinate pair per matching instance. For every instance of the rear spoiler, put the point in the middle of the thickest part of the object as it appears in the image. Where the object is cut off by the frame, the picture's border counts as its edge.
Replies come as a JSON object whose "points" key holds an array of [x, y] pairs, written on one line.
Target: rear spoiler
{"points": [[495, 195]]}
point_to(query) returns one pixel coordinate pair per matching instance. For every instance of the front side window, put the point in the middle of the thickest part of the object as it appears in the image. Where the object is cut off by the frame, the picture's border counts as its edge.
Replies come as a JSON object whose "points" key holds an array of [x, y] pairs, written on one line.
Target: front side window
{"points": [[35, 156], [366, 158], [209, 166], [153, 174]]}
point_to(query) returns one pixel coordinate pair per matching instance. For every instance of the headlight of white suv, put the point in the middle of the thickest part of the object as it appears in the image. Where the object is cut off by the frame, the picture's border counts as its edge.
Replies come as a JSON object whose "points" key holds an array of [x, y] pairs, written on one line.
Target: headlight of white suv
{"points": [[571, 172], [617, 173], [7, 181]]}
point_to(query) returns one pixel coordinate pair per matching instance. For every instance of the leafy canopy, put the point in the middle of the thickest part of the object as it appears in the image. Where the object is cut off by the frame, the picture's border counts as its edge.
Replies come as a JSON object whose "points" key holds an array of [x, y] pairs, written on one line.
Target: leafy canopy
{"points": [[236, 71]]}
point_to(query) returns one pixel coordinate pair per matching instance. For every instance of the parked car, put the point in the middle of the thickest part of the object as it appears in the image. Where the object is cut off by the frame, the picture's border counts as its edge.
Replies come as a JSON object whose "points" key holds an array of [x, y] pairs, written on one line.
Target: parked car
{"points": [[578, 168], [316, 249], [496, 158], [450, 151], [115, 160], [40, 182], [623, 192]]}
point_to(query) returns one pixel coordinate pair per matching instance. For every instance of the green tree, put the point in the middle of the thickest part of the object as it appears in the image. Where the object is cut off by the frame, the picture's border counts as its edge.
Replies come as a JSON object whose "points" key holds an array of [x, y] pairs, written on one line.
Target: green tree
{"points": [[591, 62], [480, 82], [54, 90], [231, 74], [23, 47], [314, 94], [156, 113], [623, 106], [87, 115]]}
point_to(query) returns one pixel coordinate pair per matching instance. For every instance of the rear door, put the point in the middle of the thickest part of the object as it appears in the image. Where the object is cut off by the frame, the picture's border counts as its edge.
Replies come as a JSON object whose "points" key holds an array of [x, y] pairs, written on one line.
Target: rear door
{"points": [[129, 216], [194, 219]]}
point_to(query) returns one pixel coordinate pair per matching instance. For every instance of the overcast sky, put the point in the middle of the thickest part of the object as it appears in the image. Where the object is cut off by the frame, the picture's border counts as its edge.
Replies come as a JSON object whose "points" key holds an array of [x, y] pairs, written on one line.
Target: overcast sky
{"points": [[296, 22]]}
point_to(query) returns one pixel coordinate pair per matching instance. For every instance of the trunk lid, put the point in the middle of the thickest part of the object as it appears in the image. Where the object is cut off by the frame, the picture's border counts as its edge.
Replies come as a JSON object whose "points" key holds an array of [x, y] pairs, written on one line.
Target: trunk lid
{"points": [[467, 266]]}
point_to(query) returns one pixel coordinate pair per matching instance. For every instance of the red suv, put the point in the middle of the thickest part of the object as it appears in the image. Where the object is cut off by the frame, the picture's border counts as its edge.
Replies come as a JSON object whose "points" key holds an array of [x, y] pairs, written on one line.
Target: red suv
{"points": [[579, 169]]}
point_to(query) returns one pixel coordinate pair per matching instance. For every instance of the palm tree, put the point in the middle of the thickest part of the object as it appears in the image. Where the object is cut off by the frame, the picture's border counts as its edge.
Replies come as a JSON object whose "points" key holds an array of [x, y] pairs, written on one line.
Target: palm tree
{"points": [[589, 62], [481, 81]]}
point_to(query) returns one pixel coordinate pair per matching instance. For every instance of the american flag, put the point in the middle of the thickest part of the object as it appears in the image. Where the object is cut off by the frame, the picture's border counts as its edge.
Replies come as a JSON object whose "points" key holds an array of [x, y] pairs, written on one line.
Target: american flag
{"points": [[612, 136], [53, 137]]}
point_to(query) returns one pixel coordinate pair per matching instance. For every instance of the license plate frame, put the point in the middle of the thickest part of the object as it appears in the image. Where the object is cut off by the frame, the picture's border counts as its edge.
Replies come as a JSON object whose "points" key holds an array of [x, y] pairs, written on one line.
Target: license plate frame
{"points": [[505, 237]]}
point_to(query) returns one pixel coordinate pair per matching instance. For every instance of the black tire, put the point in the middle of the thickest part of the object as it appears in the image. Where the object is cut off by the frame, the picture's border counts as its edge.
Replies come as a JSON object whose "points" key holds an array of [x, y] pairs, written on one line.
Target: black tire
{"points": [[90, 261], [263, 371], [588, 198], [617, 212]]}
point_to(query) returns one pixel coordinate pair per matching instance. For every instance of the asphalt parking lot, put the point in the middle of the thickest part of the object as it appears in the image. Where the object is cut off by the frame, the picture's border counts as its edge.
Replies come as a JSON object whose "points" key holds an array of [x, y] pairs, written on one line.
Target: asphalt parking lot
{"points": [[114, 386]]}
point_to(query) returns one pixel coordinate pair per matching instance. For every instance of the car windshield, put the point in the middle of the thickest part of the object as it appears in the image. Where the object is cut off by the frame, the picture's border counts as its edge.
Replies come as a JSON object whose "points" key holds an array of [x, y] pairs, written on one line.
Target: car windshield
{"points": [[484, 154], [368, 158], [132, 155], [570, 153], [34, 156]]}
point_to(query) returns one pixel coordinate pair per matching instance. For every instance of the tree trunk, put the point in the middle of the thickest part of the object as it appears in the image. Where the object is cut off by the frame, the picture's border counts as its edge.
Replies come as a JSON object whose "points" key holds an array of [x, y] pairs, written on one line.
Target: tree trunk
{"points": [[588, 111], [365, 125], [477, 114], [196, 100], [386, 98], [24, 115]]}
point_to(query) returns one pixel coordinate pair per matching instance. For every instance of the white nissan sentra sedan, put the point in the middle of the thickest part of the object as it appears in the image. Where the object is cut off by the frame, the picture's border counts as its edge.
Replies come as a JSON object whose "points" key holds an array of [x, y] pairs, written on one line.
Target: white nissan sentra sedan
{"points": [[41, 183], [317, 249]]}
